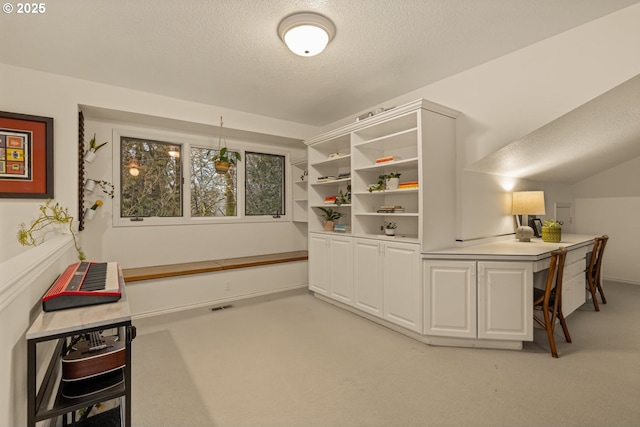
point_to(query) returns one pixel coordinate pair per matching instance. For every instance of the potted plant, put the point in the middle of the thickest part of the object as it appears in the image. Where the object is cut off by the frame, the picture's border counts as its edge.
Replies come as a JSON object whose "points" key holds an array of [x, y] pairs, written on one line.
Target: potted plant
{"points": [[552, 231], [393, 180], [107, 187], [330, 216], [380, 185], [90, 155], [91, 212], [224, 158], [390, 228]]}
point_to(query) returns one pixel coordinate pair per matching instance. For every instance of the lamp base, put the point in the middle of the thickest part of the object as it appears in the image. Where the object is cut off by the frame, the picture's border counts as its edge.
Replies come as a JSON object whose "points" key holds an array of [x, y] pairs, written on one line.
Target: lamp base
{"points": [[524, 233]]}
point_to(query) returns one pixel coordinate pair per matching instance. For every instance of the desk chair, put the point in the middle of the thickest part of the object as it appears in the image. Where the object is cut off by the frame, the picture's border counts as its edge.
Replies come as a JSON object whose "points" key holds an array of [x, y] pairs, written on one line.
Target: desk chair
{"points": [[549, 299], [593, 271]]}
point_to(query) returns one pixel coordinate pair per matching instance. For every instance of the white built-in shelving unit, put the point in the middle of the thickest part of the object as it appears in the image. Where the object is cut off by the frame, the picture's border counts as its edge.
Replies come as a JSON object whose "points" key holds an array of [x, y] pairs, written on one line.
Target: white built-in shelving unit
{"points": [[379, 274]]}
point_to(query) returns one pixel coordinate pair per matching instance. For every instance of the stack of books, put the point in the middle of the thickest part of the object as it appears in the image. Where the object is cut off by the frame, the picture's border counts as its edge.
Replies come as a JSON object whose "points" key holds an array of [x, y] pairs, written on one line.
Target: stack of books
{"points": [[386, 159], [326, 178], [340, 228], [408, 184], [390, 209], [344, 175], [330, 200]]}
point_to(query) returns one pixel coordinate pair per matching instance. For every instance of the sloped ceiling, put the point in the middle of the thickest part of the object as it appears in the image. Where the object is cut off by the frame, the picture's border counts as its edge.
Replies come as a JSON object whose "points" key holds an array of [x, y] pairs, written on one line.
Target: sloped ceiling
{"points": [[598, 135], [228, 53]]}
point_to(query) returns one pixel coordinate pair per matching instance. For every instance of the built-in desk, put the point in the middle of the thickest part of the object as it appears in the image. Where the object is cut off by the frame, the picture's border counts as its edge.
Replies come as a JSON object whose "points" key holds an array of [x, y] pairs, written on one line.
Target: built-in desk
{"points": [[482, 296]]}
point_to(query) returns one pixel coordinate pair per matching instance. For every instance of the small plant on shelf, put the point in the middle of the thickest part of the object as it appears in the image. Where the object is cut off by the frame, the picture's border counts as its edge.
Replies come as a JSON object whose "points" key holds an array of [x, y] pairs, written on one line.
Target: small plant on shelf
{"points": [[390, 228], [552, 231], [330, 216]]}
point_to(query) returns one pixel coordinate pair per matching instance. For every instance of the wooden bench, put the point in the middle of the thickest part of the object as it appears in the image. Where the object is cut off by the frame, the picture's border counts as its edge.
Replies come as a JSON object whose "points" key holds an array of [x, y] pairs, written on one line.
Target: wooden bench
{"points": [[182, 269]]}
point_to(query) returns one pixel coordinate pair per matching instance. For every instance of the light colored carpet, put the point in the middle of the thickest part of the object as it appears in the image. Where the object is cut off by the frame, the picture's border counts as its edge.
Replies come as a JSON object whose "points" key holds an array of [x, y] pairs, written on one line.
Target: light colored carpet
{"points": [[297, 361], [163, 392]]}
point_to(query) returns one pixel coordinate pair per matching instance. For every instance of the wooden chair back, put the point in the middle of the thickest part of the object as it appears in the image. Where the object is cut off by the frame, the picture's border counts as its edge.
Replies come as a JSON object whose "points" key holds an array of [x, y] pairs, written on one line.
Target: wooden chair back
{"points": [[594, 270], [549, 301]]}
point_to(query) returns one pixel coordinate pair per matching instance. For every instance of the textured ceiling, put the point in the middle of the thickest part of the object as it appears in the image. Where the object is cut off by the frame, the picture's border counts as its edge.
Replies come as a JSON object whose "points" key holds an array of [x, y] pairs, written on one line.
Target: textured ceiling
{"points": [[598, 135], [227, 52]]}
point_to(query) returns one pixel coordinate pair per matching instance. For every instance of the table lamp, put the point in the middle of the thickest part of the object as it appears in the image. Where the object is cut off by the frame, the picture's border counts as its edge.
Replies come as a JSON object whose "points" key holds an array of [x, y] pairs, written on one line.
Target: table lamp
{"points": [[526, 203]]}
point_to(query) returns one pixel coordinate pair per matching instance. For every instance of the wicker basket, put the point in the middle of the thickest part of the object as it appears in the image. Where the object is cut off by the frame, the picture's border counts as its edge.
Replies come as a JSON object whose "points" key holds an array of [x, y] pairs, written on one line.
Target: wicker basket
{"points": [[551, 234]]}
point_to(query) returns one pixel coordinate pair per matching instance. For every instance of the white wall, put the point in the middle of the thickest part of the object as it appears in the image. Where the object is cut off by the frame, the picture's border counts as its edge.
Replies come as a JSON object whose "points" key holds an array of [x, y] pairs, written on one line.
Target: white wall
{"points": [[31, 92]]}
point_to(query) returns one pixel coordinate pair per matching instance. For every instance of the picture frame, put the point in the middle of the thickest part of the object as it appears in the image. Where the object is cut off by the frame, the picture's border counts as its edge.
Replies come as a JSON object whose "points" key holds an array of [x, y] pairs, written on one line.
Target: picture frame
{"points": [[536, 224], [26, 156]]}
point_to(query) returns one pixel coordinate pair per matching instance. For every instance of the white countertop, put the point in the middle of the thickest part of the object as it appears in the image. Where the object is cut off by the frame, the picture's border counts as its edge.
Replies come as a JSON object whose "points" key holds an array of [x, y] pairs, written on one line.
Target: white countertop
{"points": [[512, 249], [49, 323]]}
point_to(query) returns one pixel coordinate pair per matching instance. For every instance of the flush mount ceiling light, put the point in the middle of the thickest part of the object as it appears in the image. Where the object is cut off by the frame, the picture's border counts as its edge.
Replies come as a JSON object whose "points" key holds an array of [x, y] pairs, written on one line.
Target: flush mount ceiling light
{"points": [[306, 34]]}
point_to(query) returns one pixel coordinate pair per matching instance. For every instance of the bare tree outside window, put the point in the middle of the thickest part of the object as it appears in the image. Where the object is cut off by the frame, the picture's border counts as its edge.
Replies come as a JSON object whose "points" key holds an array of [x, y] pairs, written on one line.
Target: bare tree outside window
{"points": [[264, 184], [212, 194], [155, 187]]}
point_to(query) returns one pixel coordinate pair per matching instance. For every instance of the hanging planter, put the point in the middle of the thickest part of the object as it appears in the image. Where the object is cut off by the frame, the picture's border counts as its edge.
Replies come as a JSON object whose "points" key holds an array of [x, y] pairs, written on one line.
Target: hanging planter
{"points": [[90, 155], [224, 158]]}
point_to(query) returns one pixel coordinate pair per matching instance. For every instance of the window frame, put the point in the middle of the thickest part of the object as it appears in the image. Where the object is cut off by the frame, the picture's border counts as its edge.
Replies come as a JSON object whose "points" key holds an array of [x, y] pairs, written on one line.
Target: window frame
{"points": [[186, 141], [285, 172]]}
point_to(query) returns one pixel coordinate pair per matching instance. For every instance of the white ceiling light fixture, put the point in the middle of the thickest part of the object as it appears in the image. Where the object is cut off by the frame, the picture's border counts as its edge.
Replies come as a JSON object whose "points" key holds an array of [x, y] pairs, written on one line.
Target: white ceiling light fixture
{"points": [[306, 34]]}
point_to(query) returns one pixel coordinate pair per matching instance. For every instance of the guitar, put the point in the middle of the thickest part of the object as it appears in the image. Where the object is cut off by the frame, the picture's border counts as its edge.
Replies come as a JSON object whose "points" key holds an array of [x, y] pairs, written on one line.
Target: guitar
{"points": [[96, 356]]}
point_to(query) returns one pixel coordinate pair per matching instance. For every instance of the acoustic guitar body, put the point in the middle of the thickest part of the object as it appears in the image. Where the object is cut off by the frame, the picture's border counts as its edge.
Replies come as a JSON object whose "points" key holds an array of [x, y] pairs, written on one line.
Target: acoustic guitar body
{"points": [[85, 362]]}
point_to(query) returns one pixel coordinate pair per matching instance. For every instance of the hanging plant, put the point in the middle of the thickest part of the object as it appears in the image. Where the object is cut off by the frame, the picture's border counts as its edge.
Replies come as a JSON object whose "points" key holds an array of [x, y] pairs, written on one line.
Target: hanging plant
{"points": [[50, 215], [224, 158]]}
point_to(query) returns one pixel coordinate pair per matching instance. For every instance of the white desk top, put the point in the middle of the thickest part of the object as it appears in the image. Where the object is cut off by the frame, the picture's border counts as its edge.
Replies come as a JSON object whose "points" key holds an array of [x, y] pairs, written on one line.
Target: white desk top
{"points": [[75, 319], [512, 249]]}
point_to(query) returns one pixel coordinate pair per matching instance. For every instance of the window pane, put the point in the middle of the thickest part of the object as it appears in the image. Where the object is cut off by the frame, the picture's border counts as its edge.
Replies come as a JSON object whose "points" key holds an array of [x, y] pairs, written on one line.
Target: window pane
{"points": [[212, 194], [264, 184], [155, 187]]}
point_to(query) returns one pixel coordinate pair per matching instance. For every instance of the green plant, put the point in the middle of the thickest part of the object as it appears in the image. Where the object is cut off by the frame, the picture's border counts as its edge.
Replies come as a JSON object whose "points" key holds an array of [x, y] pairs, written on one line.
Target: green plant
{"points": [[343, 198], [552, 223], [93, 146], [107, 187], [50, 214], [224, 155], [380, 185], [394, 175], [330, 214], [390, 225]]}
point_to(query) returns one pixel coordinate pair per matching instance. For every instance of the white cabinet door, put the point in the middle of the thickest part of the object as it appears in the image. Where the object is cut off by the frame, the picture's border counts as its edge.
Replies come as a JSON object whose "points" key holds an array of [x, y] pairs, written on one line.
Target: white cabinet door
{"points": [[505, 300], [340, 268], [367, 276], [450, 298], [318, 264], [402, 289]]}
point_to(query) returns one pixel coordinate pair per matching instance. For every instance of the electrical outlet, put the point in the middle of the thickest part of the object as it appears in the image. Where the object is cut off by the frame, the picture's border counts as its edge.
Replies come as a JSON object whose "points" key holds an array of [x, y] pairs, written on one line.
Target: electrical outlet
{"points": [[227, 285]]}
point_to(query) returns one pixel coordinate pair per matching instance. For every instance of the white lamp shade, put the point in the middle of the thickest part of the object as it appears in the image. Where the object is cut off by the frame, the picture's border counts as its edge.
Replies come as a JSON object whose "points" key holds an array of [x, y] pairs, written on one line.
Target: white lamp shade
{"points": [[306, 34], [528, 203]]}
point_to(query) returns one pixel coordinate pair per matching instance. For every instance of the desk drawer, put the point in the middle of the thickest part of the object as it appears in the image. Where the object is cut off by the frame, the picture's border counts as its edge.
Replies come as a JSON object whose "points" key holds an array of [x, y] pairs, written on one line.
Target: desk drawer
{"points": [[574, 269]]}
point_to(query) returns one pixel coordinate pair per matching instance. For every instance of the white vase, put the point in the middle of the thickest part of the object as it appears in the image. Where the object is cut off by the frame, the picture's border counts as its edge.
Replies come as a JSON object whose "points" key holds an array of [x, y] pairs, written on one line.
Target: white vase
{"points": [[392, 183], [390, 231], [89, 156], [89, 214], [89, 185]]}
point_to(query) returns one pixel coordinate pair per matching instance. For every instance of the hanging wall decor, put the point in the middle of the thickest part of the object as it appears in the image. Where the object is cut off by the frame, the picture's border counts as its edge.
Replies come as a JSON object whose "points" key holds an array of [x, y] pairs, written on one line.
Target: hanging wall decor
{"points": [[26, 156]]}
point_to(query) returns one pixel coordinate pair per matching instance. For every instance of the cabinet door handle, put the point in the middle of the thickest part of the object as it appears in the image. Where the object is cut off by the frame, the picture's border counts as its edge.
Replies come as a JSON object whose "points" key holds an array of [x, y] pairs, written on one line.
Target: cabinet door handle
{"points": [[481, 269], [473, 270]]}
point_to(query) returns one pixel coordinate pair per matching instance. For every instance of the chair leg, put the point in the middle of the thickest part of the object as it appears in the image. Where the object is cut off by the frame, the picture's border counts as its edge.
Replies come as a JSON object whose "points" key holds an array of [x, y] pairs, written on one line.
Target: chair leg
{"points": [[549, 328], [592, 289], [599, 285], [564, 327]]}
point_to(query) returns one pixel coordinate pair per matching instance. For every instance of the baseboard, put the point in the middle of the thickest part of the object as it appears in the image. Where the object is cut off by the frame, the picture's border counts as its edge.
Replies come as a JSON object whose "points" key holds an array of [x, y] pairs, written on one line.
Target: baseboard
{"points": [[219, 302]]}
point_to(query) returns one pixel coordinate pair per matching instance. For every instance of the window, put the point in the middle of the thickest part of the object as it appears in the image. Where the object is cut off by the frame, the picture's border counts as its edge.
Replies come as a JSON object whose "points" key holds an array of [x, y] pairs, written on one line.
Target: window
{"points": [[264, 184], [170, 178], [150, 178], [212, 194]]}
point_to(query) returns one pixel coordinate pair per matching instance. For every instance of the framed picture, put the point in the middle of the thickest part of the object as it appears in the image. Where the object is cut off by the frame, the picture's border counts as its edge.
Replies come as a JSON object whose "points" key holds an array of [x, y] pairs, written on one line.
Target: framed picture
{"points": [[536, 224], [26, 156]]}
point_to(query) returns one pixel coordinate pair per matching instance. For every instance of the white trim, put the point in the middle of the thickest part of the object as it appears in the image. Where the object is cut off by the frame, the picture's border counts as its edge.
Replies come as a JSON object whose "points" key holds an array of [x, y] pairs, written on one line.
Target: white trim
{"points": [[186, 141]]}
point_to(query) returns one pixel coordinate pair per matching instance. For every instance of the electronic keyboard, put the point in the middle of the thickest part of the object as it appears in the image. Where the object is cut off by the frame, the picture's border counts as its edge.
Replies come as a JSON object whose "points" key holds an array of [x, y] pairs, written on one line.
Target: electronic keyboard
{"points": [[84, 283]]}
